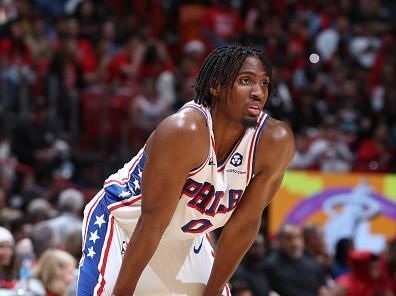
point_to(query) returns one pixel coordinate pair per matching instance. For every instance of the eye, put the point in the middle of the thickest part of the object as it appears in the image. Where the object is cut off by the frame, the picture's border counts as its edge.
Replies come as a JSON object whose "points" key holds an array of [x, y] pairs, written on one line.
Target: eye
{"points": [[265, 83], [245, 80]]}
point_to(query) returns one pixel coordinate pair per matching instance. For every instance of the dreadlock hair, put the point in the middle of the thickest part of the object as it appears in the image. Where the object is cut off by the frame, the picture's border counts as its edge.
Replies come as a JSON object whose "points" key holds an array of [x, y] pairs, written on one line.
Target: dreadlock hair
{"points": [[220, 69]]}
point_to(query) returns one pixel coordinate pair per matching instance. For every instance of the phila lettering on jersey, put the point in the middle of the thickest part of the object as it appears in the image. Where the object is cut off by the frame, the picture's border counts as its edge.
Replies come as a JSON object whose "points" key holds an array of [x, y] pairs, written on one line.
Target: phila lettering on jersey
{"points": [[210, 195]]}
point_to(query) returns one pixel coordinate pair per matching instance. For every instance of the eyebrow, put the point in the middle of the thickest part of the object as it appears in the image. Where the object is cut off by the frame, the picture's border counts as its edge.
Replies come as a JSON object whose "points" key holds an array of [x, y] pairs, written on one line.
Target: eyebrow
{"points": [[252, 73]]}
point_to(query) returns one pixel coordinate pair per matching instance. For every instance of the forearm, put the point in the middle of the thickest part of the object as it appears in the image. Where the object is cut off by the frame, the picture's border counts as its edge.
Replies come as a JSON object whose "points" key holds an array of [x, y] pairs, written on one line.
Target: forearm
{"points": [[231, 247], [141, 247]]}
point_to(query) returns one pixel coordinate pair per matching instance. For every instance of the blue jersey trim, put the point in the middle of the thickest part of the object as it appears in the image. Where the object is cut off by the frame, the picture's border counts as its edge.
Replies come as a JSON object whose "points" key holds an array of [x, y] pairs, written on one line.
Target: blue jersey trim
{"points": [[260, 131]]}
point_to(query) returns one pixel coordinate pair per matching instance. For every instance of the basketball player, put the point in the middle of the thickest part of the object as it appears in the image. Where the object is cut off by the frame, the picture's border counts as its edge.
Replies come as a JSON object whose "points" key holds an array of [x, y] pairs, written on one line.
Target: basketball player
{"points": [[217, 162]]}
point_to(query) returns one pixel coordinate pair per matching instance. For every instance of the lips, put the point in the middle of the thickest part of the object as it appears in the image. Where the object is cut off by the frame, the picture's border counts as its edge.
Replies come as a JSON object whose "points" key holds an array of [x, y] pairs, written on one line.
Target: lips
{"points": [[254, 110]]}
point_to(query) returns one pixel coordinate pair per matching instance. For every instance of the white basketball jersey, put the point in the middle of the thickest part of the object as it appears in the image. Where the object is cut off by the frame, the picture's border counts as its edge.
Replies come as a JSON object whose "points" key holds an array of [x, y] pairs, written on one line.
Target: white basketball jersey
{"points": [[210, 194]]}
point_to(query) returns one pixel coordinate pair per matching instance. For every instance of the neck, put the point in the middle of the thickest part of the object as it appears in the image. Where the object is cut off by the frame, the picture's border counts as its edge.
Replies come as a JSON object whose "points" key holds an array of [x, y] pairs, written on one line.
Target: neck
{"points": [[226, 133]]}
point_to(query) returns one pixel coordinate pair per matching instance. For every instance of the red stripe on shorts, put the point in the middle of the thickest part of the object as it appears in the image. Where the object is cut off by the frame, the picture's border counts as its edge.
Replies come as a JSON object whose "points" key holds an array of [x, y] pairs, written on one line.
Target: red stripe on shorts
{"points": [[106, 254]]}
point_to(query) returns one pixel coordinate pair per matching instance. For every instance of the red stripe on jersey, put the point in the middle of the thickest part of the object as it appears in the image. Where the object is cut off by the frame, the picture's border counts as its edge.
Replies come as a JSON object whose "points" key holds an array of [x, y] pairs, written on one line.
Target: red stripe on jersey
{"points": [[125, 203]]}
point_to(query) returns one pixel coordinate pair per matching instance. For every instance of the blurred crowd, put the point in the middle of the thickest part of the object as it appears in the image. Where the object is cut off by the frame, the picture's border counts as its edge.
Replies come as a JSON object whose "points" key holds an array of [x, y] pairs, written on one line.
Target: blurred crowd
{"points": [[84, 82], [296, 262]]}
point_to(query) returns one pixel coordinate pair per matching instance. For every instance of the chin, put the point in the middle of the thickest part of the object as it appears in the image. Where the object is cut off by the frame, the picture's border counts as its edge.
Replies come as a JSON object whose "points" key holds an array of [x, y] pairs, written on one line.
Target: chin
{"points": [[249, 121]]}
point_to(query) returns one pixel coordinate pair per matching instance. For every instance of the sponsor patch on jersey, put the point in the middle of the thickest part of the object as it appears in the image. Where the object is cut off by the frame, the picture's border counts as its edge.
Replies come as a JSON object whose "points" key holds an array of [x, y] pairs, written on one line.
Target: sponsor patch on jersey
{"points": [[236, 159]]}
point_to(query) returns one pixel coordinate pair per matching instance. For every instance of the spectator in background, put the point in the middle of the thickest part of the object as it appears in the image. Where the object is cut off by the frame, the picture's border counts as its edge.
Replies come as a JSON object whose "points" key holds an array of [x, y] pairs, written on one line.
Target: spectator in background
{"points": [[301, 159], [39, 209], [315, 246], [8, 260], [329, 151], [33, 139], [73, 245], [306, 113], [52, 274], [105, 50], [281, 104], [20, 228], [250, 270], [241, 288], [70, 205], [366, 277], [289, 271], [72, 61], [255, 22], [124, 66], [147, 109], [374, 154], [15, 65], [42, 51], [89, 19], [327, 40], [340, 263], [8, 216], [222, 24], [364, 45], [157, 63], [187, 70], [43, 238]]}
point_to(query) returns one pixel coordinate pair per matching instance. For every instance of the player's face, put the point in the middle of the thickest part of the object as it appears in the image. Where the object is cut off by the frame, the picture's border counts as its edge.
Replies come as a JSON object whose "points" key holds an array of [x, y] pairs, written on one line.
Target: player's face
{"points": [[249, 92]]}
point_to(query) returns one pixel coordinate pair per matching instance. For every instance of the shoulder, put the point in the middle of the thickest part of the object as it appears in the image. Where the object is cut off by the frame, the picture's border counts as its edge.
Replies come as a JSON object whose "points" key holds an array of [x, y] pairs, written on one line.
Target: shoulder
{"points": [[276, 146], [277, 132], [186, 124], [184, 133]]}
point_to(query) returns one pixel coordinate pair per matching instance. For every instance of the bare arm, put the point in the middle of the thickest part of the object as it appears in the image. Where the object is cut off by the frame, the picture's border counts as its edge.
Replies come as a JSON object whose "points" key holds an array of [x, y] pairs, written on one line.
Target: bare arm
{"points": [[275, 152], [176, 136]]}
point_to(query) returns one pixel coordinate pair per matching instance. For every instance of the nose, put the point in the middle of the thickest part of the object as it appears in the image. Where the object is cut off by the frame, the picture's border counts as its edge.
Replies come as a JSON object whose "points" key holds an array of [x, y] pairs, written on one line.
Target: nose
{"points": [[257, 92]]}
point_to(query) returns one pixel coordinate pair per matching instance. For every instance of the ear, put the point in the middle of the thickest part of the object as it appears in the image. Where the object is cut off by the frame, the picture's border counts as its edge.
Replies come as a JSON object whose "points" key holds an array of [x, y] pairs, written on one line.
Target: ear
{"points": [[214, 91]]}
